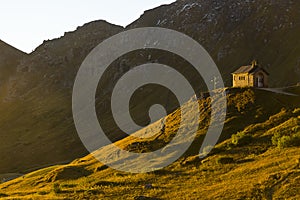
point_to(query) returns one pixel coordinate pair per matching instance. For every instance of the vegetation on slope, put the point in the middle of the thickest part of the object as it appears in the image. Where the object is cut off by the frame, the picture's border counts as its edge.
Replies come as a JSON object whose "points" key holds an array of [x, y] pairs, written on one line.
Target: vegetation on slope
{"points": [[246, 164]]}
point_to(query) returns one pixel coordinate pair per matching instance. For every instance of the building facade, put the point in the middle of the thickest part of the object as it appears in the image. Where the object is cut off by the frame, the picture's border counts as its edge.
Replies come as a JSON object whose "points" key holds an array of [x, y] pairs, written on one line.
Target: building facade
{"points": [[250, 76]]}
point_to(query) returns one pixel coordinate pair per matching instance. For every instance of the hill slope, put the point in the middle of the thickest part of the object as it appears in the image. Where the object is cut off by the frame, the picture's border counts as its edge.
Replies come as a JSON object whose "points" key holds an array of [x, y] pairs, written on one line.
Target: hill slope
{"points": [[247, 151]]}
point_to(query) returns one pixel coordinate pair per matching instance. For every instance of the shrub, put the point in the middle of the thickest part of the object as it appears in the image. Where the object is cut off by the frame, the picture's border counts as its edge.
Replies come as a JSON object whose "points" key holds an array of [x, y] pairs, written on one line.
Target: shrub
{"points": [[288, 141], [56, 188], [242, 100], [284, 142], [296, 111], [275, 138], [241, 138]]}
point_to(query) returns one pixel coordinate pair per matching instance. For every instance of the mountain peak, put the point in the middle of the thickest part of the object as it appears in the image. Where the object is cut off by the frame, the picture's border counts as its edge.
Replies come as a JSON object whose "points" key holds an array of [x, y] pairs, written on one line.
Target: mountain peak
{"points": [[8, 49]]}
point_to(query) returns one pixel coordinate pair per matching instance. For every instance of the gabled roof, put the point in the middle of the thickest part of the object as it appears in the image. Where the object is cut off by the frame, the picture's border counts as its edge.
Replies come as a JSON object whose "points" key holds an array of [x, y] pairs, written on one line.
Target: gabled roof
{"points": [[250, 69]]}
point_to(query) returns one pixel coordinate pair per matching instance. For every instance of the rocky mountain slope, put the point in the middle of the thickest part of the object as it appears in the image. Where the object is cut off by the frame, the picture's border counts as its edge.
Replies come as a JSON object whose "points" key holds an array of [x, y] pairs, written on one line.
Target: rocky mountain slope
{"points": [[36, 118], [9, 59], [236, 32], [36, 109]]}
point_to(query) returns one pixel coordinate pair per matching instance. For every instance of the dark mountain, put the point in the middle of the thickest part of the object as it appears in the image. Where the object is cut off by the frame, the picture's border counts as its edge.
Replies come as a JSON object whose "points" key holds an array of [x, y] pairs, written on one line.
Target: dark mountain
{"points": [[9, 59], [36, 118], [236, 32]]}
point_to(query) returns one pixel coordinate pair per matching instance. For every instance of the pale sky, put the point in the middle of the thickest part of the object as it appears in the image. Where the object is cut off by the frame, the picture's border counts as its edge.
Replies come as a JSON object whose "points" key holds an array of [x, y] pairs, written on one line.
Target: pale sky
{"points": [[26, 24]]}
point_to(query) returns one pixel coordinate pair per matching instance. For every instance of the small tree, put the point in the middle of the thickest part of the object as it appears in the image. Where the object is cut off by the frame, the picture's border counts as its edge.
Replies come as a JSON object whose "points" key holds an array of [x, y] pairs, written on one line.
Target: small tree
{"points": [[241, 138]]}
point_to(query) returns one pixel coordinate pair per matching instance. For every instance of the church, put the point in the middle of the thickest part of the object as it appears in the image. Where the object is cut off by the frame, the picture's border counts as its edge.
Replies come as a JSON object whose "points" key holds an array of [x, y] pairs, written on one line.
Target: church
{"points": [[250, 76]]}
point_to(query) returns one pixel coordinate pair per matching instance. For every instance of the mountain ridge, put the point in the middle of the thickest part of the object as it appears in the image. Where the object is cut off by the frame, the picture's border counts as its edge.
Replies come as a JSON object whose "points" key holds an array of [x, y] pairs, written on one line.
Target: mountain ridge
{"points": [[5, 45], [230, 28], [9, 60]]}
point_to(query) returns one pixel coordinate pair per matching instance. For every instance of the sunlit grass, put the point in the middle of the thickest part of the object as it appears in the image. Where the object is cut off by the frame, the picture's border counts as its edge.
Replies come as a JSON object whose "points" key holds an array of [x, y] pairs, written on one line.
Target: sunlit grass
{"points": [[255, 169]]}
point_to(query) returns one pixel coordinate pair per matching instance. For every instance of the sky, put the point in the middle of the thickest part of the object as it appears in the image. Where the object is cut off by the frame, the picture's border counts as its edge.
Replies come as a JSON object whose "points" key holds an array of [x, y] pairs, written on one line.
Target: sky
{"points": [[26, 24]]}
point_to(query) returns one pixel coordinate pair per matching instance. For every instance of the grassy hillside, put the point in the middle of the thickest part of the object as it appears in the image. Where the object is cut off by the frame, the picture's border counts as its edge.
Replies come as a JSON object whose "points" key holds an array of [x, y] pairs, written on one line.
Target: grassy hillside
{"points": [[257, 158]]}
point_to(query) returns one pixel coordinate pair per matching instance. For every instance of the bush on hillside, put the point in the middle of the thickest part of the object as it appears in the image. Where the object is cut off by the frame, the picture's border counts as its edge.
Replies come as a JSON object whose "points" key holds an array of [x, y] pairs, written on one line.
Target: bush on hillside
{"points": [[287, 134], [296, 111], [286, 141], [56, 188], [241, 138], [242, 100]]}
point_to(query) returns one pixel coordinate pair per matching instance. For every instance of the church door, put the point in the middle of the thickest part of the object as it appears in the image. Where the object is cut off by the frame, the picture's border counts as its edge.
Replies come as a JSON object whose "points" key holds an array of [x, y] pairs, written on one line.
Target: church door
{"points": [[260, 81]]}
